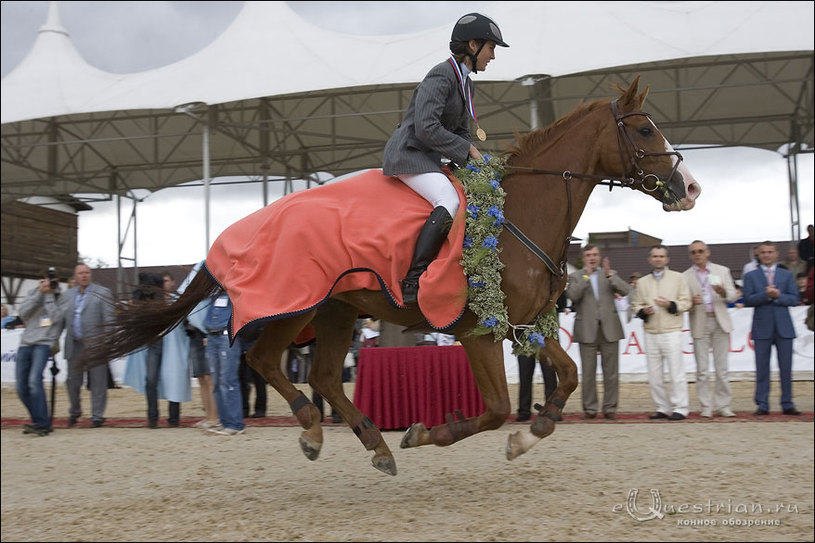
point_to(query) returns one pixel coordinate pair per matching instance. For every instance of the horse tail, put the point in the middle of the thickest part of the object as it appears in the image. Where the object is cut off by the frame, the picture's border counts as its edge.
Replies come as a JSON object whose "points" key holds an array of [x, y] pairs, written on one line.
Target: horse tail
{"points": [[139, 323]]}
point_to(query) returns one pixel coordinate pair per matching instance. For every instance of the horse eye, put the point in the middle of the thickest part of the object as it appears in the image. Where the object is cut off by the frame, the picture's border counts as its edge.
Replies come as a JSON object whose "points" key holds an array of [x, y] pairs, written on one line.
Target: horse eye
{"points": [[646, 131]]}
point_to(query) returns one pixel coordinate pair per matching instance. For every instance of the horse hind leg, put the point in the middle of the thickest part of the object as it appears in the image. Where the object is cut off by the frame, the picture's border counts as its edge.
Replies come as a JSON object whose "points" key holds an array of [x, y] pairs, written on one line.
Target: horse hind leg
{"points": [[543, 425], [265, 357], [334, 326]]}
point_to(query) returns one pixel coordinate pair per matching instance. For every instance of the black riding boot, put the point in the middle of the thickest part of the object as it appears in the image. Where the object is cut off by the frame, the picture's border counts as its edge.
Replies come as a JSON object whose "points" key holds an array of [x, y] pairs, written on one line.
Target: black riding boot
{"points": [[430, 240]]}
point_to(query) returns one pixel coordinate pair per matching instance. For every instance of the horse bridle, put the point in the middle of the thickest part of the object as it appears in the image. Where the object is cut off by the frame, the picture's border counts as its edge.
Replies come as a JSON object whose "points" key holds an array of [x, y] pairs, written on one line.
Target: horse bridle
{"points": [[629, 154]]}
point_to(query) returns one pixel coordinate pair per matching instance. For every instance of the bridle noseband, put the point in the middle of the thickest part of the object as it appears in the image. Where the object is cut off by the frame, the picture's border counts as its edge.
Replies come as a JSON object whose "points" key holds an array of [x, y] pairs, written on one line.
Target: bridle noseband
{"points": [[634, 154]]}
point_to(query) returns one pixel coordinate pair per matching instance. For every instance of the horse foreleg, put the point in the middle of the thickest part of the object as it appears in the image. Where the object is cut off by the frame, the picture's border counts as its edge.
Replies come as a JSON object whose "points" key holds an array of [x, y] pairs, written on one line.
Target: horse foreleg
{"points": [[265, 357], [334, 326], [544, 423], [486, 358]]}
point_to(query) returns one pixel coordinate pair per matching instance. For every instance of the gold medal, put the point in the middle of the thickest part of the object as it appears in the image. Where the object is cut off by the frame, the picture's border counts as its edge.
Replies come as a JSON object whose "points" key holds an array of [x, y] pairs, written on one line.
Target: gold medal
{"points": [[481, 134]]}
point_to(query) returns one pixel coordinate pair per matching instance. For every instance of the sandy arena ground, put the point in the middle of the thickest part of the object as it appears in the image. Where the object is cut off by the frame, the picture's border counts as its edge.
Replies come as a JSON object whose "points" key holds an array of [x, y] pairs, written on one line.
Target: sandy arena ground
{"points": [[719, 480]]}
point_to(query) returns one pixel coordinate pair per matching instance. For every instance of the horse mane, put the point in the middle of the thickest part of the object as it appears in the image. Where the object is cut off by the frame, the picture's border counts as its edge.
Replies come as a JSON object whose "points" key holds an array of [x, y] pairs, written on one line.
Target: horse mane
{"points": [[535, 140]]}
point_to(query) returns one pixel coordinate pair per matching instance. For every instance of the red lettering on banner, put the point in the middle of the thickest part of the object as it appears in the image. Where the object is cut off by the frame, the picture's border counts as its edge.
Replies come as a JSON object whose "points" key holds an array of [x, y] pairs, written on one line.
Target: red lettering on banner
{"points": [[569, 337], [730, 343], [633, 342]]}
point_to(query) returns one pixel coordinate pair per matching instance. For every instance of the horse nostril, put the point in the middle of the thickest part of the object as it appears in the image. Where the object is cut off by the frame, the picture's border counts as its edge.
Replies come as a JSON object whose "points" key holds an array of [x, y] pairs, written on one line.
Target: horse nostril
{"points": [[694, 190]]}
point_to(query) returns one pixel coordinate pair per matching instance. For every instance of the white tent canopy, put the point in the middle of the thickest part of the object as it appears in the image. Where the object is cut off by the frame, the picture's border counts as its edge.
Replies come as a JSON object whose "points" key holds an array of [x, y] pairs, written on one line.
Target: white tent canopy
{"points": [[277, 96], [269, 50]]}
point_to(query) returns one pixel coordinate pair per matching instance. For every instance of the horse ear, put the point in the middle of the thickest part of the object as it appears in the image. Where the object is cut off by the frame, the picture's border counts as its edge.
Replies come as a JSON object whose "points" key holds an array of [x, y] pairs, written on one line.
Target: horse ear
{"points": [[630, 97], [642, 96]]}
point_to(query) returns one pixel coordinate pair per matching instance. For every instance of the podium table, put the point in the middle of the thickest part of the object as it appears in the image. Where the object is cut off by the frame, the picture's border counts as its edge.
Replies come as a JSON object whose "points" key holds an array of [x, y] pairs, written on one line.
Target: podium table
{"points": [[397, 386]]}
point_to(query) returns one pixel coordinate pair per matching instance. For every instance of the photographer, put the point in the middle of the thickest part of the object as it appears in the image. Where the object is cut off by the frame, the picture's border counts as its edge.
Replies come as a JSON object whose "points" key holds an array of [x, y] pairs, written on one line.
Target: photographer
{"points": [[42, 313]]}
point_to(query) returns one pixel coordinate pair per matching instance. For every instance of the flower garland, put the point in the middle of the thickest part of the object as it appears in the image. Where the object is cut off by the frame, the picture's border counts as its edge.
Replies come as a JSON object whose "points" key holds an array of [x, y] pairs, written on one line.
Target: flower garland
{"points": [[481, 180]]}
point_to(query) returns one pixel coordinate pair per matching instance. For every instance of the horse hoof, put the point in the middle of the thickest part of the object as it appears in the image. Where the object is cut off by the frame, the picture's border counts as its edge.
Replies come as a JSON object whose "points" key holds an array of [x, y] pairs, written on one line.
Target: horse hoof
{"points": [[385, 464], [412, 436], [310, 447], [518, 443]]}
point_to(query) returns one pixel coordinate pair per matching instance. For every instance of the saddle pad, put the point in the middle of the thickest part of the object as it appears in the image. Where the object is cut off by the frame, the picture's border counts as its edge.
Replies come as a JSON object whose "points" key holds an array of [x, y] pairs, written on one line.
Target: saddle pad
{"points": [[359, 233]]}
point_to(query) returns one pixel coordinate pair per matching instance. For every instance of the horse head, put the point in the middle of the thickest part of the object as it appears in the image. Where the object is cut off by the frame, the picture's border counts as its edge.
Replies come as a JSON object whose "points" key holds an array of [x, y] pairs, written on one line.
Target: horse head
{"points": [[646, 159]]}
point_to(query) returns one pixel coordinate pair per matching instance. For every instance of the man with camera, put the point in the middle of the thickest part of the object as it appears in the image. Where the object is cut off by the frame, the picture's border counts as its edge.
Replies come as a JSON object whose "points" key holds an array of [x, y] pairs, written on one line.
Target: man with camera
{"points": [[88, 307], [42, 313]]}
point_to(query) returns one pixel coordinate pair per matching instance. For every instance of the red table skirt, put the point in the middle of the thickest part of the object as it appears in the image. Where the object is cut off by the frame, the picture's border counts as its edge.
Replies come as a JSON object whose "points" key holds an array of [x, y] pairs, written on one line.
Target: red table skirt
{"points": [[397, 386]]}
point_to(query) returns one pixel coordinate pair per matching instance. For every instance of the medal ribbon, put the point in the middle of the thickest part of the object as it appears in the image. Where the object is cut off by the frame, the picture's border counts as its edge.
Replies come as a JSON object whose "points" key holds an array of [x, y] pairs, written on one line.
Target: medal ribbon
{"points": [[465, 89]]}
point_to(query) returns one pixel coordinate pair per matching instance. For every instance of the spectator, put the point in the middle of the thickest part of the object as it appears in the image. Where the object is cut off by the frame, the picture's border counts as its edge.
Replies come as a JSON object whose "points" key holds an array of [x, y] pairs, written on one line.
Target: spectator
{"points": [[195, 328], [739, 301], [6, 317], [752, 264], [161, 370], [251, 378], [794, 264], [711, 287], [632, 282], [10, 322], [225, 361], [661, 298], [88, 308], [526, 371], [770, 291], [370, 333], [597, 329], [806, 247], [801, 282], [43, 314]]}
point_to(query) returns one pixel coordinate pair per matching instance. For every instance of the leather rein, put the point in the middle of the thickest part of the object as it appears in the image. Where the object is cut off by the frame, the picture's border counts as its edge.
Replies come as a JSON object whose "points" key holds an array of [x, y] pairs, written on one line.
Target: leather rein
{"points": [[629, 154]]}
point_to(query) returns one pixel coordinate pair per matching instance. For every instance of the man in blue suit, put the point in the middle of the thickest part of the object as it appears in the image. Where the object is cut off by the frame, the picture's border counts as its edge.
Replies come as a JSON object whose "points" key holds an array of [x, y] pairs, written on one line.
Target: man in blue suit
{"points": [[771, 290]]}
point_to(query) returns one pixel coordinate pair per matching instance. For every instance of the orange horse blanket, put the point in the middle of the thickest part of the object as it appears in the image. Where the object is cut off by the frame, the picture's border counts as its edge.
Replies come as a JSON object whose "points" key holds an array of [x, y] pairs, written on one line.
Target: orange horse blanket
{"points": [[358, 233]]}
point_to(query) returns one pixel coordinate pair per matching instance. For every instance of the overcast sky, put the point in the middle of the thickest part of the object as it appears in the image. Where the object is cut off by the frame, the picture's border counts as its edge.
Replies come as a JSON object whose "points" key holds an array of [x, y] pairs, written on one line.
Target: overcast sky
{"points": [[745, 194]]}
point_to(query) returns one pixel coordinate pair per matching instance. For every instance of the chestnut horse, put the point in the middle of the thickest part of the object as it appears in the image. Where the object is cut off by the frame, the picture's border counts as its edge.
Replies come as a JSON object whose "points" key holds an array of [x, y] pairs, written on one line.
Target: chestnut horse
{"points": [[549, 177]]}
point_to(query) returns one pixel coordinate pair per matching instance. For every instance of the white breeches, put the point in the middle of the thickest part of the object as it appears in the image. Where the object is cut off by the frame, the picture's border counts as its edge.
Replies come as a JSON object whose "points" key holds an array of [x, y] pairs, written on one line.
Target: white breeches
{"points": [[434, 187]]}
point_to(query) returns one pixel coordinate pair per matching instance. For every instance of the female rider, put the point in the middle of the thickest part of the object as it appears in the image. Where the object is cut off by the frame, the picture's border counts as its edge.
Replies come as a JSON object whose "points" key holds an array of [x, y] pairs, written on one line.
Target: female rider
{"points": [[435, 125]]}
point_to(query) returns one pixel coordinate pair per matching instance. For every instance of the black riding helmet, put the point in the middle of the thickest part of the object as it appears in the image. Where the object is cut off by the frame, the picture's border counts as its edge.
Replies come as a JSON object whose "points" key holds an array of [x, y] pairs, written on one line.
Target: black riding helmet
{"points": [[475, 26]]}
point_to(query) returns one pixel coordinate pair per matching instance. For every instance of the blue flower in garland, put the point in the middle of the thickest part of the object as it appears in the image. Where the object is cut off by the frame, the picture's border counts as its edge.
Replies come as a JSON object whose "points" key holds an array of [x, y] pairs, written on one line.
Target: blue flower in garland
{"points": [[536, 338], [473, 168], [468, 242], [489, 322], [486, 158], [472, 209], [476, 284], [495, 184], [495, 211], [490, 242]]}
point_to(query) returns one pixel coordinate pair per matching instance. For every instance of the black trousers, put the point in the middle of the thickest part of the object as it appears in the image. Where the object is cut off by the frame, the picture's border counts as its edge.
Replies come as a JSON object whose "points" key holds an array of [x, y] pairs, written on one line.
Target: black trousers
{"points": [[526, 370], [249, 377]]}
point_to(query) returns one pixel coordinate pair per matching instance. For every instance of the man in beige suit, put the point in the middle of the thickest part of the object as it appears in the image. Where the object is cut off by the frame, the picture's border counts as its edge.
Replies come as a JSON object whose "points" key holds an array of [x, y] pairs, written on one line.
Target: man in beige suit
{"points": [[660, 299], [711, 288], [597, 328]]}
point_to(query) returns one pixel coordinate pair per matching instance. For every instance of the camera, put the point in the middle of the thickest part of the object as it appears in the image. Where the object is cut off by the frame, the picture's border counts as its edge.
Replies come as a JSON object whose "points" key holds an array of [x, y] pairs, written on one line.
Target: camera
{"points": [[53, 283]]}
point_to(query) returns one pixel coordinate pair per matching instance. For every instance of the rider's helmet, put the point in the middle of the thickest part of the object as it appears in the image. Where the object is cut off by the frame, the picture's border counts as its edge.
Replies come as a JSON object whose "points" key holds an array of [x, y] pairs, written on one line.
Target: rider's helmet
{"points": [[475, 26]]}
